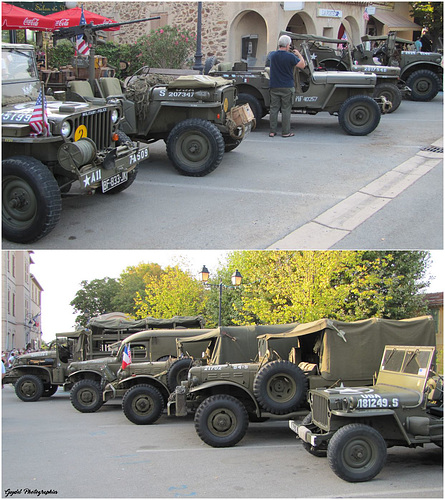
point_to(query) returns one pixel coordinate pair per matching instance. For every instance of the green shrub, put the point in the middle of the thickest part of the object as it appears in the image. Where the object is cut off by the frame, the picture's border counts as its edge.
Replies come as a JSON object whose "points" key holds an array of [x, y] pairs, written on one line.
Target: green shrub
{"points": [[60, 55]]}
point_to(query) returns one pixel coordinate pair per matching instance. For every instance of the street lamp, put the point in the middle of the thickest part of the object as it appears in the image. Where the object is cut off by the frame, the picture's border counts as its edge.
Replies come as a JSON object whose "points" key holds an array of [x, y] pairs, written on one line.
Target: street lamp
{"points": [[198, 55], [236, 281]]}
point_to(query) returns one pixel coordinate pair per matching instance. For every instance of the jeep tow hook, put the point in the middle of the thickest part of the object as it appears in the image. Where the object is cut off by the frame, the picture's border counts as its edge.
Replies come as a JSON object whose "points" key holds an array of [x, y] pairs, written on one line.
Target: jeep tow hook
{"points": [[386, 105]]}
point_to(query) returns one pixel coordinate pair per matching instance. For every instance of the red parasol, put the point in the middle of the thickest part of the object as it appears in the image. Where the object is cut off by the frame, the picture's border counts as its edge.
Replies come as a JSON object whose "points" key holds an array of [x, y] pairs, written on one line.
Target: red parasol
{"points": [[71, 17], [15, 18]]}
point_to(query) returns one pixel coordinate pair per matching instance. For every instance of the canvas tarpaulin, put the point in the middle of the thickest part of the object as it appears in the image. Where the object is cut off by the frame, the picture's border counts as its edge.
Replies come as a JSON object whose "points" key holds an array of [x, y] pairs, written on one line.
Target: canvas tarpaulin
{"points": [[116, 321], [239, 344], [353, 350]]}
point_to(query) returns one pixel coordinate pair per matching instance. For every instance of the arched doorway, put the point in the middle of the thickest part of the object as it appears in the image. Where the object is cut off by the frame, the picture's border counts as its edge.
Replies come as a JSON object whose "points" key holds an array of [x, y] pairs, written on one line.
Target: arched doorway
{"points": [[349, 30], [301, 23], [248, 39]]}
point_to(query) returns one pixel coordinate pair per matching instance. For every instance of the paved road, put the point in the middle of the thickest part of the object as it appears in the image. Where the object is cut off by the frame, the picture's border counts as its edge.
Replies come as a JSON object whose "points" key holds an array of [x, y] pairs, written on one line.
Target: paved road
{"points": [[320, 189], [49, 446]]}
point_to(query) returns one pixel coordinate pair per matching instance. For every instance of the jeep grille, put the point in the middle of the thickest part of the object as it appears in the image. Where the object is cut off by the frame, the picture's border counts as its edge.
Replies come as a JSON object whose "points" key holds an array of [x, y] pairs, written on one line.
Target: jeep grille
{"points": [[99, 127], [320, 411]]}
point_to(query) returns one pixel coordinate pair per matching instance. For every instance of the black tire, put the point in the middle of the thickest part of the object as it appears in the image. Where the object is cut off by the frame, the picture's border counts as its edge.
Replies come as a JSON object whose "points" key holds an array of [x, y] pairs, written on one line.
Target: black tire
{"points": [[359, 115], [123, 137], [391, 92], [195, 147], [86, 396], [221, 421], [280, 387], [49, 390], [313, 450], [29, 388], [31, 200], [356, 453], [424, 85], [254, 104], [143, 404], [209, 63], [178, 372]]}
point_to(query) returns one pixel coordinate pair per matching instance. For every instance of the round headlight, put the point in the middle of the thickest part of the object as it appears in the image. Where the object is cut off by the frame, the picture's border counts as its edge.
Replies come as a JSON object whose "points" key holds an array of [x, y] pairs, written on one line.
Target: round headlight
{"points": [[66, 129], [115, 116]]}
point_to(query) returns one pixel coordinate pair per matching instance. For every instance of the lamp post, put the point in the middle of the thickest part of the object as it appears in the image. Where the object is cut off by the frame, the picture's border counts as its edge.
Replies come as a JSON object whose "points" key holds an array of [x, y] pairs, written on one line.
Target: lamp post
{"points": [[198, 56], [236, 281]]}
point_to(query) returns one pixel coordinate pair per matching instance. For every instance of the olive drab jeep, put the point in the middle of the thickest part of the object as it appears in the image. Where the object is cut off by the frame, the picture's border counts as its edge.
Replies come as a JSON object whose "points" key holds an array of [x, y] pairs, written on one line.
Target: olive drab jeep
{"points": [[93, 382], [422, 71], [346, 94], [83, 144], [325, 353], [354, 426], [339, 55], [196, 115]]}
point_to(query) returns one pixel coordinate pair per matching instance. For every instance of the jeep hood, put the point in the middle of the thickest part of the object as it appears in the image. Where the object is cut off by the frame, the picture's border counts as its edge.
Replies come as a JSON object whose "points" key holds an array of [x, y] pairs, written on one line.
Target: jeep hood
{"points": [[92, 363]]}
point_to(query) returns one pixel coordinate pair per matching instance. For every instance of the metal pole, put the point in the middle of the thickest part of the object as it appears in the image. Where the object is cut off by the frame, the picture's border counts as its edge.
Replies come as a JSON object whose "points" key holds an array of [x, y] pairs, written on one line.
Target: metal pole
{"points": [[220, 302], [198, 56]]}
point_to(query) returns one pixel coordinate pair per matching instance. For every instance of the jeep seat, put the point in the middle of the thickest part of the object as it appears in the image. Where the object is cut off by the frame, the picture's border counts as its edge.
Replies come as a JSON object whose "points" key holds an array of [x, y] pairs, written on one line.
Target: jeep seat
{"points": [[83, 89], [110, 87]]}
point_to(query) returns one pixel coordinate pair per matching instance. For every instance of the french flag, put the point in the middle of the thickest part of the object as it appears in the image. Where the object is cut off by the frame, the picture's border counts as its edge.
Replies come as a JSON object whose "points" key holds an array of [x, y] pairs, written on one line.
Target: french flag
{"points": [[126, 358]]}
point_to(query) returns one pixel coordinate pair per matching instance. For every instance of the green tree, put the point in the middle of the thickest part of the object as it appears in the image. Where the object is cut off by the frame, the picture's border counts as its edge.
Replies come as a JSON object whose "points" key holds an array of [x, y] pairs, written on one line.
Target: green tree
{"points": [[173, 293], [94, 298], [429, 15]]}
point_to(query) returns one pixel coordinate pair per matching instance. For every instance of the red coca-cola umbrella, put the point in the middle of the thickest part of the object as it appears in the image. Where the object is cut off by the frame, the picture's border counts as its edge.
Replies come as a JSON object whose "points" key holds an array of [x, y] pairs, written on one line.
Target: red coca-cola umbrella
{"points": [[15, 18], [71, 17]]}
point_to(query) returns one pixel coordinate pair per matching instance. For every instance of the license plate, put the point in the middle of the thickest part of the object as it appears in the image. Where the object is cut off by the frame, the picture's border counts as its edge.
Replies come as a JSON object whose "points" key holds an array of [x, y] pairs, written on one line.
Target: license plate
{"points": [[114, 181]]}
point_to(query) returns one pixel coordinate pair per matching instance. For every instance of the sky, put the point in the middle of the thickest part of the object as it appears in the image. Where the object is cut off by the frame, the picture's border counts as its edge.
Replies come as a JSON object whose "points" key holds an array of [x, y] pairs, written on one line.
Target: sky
{"points": [[60, 273]]}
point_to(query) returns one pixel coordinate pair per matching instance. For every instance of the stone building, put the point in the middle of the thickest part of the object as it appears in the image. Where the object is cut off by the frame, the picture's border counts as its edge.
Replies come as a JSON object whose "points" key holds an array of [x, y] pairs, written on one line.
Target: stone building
{"points": [[21, 302], [233, 31]]}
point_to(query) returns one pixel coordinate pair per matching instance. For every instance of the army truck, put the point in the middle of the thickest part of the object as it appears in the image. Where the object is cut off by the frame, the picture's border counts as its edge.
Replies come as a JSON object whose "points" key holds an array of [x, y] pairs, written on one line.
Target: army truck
{"points": [[83, 144], [346, 94], [422, 71], [326, 353], [152, 349], [338, 55], [354, 426]]}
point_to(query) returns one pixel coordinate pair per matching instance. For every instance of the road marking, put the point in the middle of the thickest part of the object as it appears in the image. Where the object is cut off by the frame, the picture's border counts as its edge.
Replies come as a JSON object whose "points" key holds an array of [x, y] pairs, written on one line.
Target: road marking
{"points": [[336, 223]]}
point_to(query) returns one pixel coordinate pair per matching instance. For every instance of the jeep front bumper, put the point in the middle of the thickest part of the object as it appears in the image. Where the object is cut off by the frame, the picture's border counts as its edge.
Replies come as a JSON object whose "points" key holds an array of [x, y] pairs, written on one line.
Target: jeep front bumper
{"points": [[307, 435]]}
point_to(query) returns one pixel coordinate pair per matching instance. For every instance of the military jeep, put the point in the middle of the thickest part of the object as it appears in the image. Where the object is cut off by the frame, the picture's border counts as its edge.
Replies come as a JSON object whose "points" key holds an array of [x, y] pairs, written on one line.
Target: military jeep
{"points": [[196, 115], [346, 94], [325, 353], [84, 145], [354, 426], [422, 71]]}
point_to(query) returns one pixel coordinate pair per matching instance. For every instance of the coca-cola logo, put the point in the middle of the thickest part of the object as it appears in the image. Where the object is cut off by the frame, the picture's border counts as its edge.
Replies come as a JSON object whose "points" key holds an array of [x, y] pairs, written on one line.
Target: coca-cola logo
{"points": [[30, 22], [62, 23]]}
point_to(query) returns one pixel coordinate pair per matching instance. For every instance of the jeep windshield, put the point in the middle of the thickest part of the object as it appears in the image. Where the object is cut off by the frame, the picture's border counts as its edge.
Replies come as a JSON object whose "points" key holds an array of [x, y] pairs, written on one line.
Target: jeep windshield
{"points": [[19, 75]]}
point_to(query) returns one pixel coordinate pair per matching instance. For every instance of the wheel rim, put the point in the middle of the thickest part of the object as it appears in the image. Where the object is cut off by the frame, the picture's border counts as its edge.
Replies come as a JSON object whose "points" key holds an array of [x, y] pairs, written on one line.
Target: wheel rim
{"points": [[19, 202], [222, 422], [87, 397], [359, 453], [28, 388], [142, 404], [423, 86], [281, 388], [193, 149], [360, 115]]}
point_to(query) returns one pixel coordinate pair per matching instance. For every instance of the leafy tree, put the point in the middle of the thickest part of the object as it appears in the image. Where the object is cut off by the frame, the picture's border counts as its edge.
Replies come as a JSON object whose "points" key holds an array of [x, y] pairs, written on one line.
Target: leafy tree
{"points": [[173, 293], [429, 15], [94, 298]]}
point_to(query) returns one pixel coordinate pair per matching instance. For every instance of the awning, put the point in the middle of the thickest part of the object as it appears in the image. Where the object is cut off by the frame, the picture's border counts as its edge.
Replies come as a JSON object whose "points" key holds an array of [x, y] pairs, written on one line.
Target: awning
{"points": [[395, 22]]}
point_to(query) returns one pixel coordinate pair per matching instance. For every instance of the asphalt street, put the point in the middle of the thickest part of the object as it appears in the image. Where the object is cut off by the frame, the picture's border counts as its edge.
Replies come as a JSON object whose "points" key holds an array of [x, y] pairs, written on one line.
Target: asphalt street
{"points": [[48, 446], [320, 189]]}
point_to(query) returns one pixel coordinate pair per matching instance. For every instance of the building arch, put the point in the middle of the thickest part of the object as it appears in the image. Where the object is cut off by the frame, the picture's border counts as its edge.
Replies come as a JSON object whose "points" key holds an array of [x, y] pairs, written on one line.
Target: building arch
{"points": [[352, 29], [248, 35], [301, 23]]}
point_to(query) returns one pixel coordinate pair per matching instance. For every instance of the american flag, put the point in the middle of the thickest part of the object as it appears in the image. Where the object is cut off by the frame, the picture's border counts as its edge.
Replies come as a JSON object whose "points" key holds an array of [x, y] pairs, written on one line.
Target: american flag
{"points": [[81, 45], [39, 118]]}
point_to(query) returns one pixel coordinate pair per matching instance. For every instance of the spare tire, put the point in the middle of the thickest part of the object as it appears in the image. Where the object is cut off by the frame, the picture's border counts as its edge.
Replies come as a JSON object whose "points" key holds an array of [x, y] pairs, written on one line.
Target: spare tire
{"points": [[280, 387], [178, 372]]}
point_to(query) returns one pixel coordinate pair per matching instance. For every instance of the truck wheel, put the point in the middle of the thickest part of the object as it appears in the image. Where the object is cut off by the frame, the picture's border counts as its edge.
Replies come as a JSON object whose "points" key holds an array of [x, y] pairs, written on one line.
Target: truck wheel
{"points": [[178, 372], [313, 450], [29, 388], [359, 115], [424, 85], [356, 452], [280, 387], [254, 104], [195, 147], [31, 203], [221, 421], [143, 404], [86, 396], [391, 92], [49, 390]]}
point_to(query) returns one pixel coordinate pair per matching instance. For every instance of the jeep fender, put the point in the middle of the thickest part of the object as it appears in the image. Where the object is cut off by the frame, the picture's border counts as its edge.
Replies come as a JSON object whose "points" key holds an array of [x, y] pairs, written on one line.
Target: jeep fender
{"points": [[128, 382], [418, 65], [12, 376], [226, 387], [83, 374]]}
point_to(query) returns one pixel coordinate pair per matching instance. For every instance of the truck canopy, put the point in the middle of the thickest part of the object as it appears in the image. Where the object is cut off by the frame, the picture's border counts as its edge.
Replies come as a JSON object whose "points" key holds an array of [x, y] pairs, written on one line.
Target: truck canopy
{"points": [[239, 344], [118, 321], [353, 350]]}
